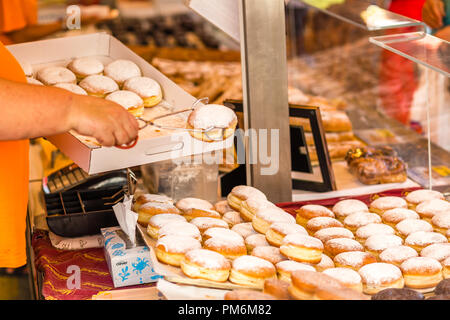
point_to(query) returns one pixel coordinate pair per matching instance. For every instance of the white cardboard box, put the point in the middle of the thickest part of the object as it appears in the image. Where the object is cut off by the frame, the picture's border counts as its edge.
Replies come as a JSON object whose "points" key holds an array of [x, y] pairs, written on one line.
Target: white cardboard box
{"points": [[150, 147]]}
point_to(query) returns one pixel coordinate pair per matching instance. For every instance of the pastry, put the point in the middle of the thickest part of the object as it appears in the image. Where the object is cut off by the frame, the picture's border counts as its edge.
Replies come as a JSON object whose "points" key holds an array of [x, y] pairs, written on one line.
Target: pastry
{"points": [[286, 267], [360, 219], [379, 276], [148, 89], [86, 66], [72, 87], [441, 222], [193, 213], [121, 70], [156, 222], [408, 226], [255, 240], [324, 264], [394, 216], [344, 208], [188, 203], [421, 239], [129, 100], [244, 229], [277, 288], [230, 248], [205, 223], [53, 75], [212, 122], [149, 209], [338, 245], [221, 233], [269, 253], [418, 196], [443, 287], [437, 251], [278, 230], [398, 294], [379, 242], [250, 206], [232, 218], [305, 284], [332, 233], [348, 277], [242, 193], [302, 248], [316, 224], [147, 197], [383, 204], [205, 264], [364, 232], [172, 248], [251, 271], [222, 207], [421, 272], [396, 255], [332, 293], [428, 209], [265, 217], [179, 228], [98, 86], [353, 259], [310, 211]]}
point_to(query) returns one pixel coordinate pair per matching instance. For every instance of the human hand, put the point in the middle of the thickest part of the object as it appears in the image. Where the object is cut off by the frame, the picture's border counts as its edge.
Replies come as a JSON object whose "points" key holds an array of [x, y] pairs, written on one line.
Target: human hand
{"points": [[433, 12], [104, 120]]}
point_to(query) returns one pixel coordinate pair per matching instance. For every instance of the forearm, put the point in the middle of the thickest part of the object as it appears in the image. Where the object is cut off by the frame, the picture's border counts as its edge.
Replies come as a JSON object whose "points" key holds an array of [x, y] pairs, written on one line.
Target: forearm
{"points": [[29, 111], [35, 32]]}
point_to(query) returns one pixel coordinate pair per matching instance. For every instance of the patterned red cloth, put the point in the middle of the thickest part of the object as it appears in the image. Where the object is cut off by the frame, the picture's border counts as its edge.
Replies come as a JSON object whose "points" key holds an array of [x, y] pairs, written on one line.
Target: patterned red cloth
{"points": [[95, 276]]}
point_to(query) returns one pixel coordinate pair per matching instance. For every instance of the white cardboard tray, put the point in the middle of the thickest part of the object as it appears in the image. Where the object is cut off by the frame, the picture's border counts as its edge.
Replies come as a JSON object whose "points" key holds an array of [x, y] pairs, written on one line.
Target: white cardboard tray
{"points": [[153, 145]]}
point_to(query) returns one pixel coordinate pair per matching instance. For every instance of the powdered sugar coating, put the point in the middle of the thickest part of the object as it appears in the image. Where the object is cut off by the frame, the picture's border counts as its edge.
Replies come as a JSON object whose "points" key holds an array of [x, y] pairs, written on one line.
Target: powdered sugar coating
{"points": [[203, 223], [160, 220], [247, 192], [345, 275], [302, 240], [408, 226], [387, 203], [354, 259], [72, 88], [442, 220], [359, 219], [316, 210], [331, 233], [178, 244], [418, 196], [430, 208], [53, 75], [212, 115], [157, 205], [122, 70], [423, 238], [421, 265], [256, 204], [208, 259], [285, 228], [380, 242], [318, 223], [223, 233], [397, 254], [325, 263], [223, 243], [147, 197], [86, 66], [371, 229], [256, 240], [343, 244], [98, 84], [191, 203], [272, 215], [232, 217], [290, 266], [269, 253], [437, 251], [375, 274], [179, 228], [346, 207], [144, 87], [244, 229], [251, 264], [396, 215], [222, 207], [126, 99]]}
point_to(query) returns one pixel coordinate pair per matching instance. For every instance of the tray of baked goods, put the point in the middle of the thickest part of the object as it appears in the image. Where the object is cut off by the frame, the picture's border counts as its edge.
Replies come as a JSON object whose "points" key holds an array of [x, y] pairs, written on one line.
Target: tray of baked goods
{"points": [[101, 66], [393, 243]]}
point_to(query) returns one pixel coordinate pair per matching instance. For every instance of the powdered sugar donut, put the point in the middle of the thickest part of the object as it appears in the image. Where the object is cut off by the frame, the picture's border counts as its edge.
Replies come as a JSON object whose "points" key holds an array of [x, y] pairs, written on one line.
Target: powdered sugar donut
{"points": [[265, 217], [383, 204], [205, 264], [428, 209], [278, 230], [250, 206], [172, 248], [98, 85], [441, 222], [189, 203], [302, 248], [346, 207], [231, 248], [347, 277], [251, 271], [325, 263], [148, 89], [408, 226], [87, 66], [150, 209], [121, 70], [212, 116], [232, 218], [364, 232], [379, 276], [222, 207], [360, 219], [242, 193], [255, 240], [353, 259], [394, 216], [332, 233], [338, 245], [72, 88], [421, 272], [417, 196], [437, 251], [129, 100], [285, 268], [244, 229], [269, 253], [222, 233], [179, 228], [377, 243], [309, 211], [421, 239], [147, 197], [157, 222], [396, 255], [318, 223], [205, 223], [53, 75]]}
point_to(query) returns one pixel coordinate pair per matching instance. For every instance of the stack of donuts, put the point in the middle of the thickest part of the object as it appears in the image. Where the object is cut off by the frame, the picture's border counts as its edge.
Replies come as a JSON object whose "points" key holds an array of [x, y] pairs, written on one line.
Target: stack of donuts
{"points": [[349, 251]]}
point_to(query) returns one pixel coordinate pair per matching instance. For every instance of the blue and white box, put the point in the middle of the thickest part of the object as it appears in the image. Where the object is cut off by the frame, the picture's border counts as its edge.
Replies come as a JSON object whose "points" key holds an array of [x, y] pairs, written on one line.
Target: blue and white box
{"points": [[128, 265]]}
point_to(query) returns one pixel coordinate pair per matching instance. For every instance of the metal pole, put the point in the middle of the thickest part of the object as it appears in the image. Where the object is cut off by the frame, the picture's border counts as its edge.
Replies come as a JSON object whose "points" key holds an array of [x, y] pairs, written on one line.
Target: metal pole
{"points": [[264, 72]]}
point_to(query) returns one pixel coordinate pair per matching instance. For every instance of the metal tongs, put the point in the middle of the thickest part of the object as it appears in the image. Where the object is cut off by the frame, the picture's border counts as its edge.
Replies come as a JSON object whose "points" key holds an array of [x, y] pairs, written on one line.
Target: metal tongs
{"points": [[219, 132]]}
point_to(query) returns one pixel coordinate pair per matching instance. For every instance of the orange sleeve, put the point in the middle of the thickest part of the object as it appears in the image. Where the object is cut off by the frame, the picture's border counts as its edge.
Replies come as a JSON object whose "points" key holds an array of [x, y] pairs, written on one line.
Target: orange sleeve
{"points": [[17, 14], [13, 182]]}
